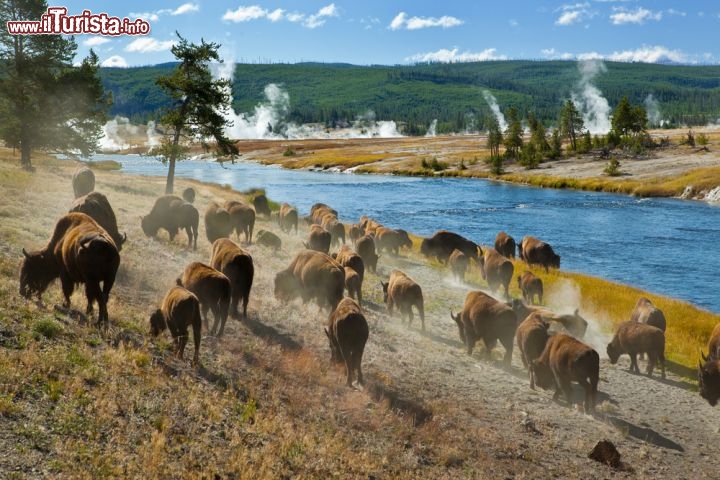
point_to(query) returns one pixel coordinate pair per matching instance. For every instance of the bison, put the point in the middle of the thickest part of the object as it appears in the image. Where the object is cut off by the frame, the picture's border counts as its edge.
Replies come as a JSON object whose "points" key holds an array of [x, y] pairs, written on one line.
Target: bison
{"points": [[242, 218], [497, 270], [458, 264], [354, 232], [564, 360], [79, 251], [311, 275], [531, 287], [365, 247], [268, 239], [172, 213], [217, 222], [709, 369], [83, 181], [537, 252], [347, 331], [353, 285], [319, 239], [213, 290], [483, 317], [572, 323], [646, 312], [632, 338], [391, 240], [348, 258], [180, 309], [532, 335], [288, 218], [189, 195], [442, 244], [97, 206], [505, 245], [237, 265], [261, 205], [402, 291]]}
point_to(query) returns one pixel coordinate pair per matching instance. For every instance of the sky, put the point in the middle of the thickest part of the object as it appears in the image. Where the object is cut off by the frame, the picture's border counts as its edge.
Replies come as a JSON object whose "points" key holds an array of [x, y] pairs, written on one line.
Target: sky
{"points": [[374, 32]]}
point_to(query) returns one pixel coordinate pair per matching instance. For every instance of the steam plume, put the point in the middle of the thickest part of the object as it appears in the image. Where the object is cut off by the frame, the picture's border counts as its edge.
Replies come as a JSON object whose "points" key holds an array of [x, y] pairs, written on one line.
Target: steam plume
{"points": [[589, 100], [492, 103], [117, 133], [652, 107], [432, 129]]}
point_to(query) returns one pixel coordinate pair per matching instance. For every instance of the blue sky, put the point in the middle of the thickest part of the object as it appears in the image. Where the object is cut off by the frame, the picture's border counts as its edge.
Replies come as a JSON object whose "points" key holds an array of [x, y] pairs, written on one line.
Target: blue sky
{"points": [[401, 32]]}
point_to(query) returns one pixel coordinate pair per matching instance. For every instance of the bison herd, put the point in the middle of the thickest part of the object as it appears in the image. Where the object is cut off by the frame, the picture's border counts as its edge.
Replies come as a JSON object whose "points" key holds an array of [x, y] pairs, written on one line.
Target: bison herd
{"points": [[85, 246]]}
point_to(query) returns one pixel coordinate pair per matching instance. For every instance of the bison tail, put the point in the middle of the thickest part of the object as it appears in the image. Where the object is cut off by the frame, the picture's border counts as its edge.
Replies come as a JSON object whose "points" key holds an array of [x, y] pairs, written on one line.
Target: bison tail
{"points": [[178, 282]]}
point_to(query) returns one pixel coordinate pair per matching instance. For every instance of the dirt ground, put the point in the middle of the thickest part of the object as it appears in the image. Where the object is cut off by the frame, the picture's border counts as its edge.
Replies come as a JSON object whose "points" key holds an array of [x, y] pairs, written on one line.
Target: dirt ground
{"points": [[503, 429]]}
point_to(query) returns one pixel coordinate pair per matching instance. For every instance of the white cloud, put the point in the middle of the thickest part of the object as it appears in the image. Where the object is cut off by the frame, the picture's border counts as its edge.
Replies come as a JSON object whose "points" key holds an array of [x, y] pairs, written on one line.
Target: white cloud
{"points": [[573, 13], [255, 12], [186, 8], [644, 54], [639, 16], [95, 41], [114, 61], [148, 44], [245, 14], [147, 16], [513, 23], [552, 54], [672, 11], [568, 18], [415, 23], [452, 56]]}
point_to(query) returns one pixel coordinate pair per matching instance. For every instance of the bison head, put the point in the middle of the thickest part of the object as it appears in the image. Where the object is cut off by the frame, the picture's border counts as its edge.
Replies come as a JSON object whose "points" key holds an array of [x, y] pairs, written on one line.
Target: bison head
{"points": [[554, 261], [149, 226], [286, 286], [404, 239], [613, 352], [426, 247], [157, 323], [38, 269], [544, 377], [458, 320], [385, 286], [709, 379]]}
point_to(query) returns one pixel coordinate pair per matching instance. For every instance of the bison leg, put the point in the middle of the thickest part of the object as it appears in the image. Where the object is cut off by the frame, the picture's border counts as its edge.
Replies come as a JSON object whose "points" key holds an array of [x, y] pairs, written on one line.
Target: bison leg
{"points": [[357, 360], [589, 404], [67, 287], [197, 326], [652, 359], [633, 363], [508, 344], [182, 341], [469, 339], [409, 311], [216, 319]]}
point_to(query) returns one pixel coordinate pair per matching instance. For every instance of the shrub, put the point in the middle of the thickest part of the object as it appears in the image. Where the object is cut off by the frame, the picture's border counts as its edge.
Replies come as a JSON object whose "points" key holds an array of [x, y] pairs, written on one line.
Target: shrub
{"points": [[434, 165], [612, 169], [47, 328], [289, 152], [701, 139], [496, 164]]}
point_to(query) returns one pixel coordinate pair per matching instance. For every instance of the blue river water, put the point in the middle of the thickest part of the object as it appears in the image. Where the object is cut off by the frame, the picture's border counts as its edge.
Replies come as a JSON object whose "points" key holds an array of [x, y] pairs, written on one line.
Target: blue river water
{"points": [[665, 246]]}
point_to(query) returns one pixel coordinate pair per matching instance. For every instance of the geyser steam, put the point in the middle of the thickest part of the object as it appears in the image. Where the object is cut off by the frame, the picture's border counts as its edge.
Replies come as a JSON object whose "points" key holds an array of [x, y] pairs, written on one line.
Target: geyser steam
{"points": [[588, 98], [492, 103]]}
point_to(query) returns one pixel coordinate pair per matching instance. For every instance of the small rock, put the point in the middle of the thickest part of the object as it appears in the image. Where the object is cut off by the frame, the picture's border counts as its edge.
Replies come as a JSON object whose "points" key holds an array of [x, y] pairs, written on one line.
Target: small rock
{"points": [[605, 452]]}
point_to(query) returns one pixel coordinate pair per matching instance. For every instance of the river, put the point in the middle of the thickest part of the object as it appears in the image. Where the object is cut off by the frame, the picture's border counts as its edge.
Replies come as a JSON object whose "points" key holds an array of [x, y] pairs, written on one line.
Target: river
{"points": [[665, 246]]}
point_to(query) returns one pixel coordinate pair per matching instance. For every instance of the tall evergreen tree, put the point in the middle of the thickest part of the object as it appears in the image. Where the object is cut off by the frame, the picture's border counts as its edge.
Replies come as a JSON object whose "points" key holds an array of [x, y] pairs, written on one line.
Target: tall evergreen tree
{"points": [[45, 102], [513, 139], [628, 118], [199, 102], [571, 123], [495, 136]]}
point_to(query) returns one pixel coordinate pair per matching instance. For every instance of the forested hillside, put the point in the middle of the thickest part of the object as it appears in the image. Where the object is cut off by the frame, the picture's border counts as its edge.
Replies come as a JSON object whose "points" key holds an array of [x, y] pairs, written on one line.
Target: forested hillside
{"points": [[415, 95]]}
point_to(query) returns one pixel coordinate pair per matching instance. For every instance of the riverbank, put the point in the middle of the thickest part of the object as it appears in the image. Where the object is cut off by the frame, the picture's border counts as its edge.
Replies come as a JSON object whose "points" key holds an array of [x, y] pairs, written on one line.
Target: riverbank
{"points": [[266, 403], [675, 171]]}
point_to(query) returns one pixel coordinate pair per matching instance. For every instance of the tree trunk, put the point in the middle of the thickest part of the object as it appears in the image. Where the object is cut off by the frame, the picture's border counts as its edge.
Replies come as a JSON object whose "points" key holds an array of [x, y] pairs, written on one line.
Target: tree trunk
{"points": [[170, 183]]}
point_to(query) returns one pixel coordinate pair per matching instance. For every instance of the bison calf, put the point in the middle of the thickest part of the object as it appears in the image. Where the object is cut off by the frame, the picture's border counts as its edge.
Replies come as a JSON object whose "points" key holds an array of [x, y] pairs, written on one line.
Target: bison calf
{"points": [[458, 264], [531, 286], [532, 335], [348, 332], [403, 292], [180, 309], [172, 213], [564, 360], [633, 338], [212, 289], [268, 239]]}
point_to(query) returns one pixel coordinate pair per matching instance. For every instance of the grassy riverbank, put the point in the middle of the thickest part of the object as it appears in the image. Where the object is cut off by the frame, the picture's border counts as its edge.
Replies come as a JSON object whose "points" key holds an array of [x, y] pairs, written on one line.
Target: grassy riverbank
{"points": [[266, 403]]}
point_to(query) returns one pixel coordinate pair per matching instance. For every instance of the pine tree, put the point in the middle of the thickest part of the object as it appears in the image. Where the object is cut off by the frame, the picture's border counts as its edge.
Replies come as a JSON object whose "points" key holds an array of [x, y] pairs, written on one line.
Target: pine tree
{"points": [[45, 102], [571, 123], [513, 134], [495, 137], [199, 102]]}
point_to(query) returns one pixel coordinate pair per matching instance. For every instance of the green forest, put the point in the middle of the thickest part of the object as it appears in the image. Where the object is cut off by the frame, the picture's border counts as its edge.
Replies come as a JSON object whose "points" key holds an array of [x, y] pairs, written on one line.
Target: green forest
{"points": [[415, 95]]}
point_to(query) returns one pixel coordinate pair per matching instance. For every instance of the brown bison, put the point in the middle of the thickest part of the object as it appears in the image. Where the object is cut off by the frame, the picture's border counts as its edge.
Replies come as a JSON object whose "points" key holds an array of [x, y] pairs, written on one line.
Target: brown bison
{"points": [[458, 264], [646, 312], [354, 232], [319, 210], [531, 287], [483, 317], [217, 222], [353, 285], [402, 291], [532, 335], [347, 331], [365, 247], [391, 240], [348, 258], [536, 252], [709, 369], [442, 244], [336, 229], [368, 225], [633, 338], [79, 251], [311, 275], [242, 218], [83, 181], [180, 309], [288, 218], [261, 205], [172, 213], [497, 270], [189, 195], [96, 205], [564, 360], [213, 290], [318, 239], [505, 245], [268, 239], [237, 265]]}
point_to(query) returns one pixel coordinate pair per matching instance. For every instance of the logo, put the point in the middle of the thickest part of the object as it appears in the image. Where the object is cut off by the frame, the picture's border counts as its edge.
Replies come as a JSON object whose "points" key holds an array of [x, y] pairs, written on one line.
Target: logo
{"points": [[57, 22]]}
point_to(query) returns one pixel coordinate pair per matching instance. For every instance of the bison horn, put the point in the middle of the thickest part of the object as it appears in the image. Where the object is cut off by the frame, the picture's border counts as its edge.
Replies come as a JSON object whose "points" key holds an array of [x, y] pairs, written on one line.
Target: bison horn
{"points": [[27, 255], [178, 281], [124, 238], [702, 355]]}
